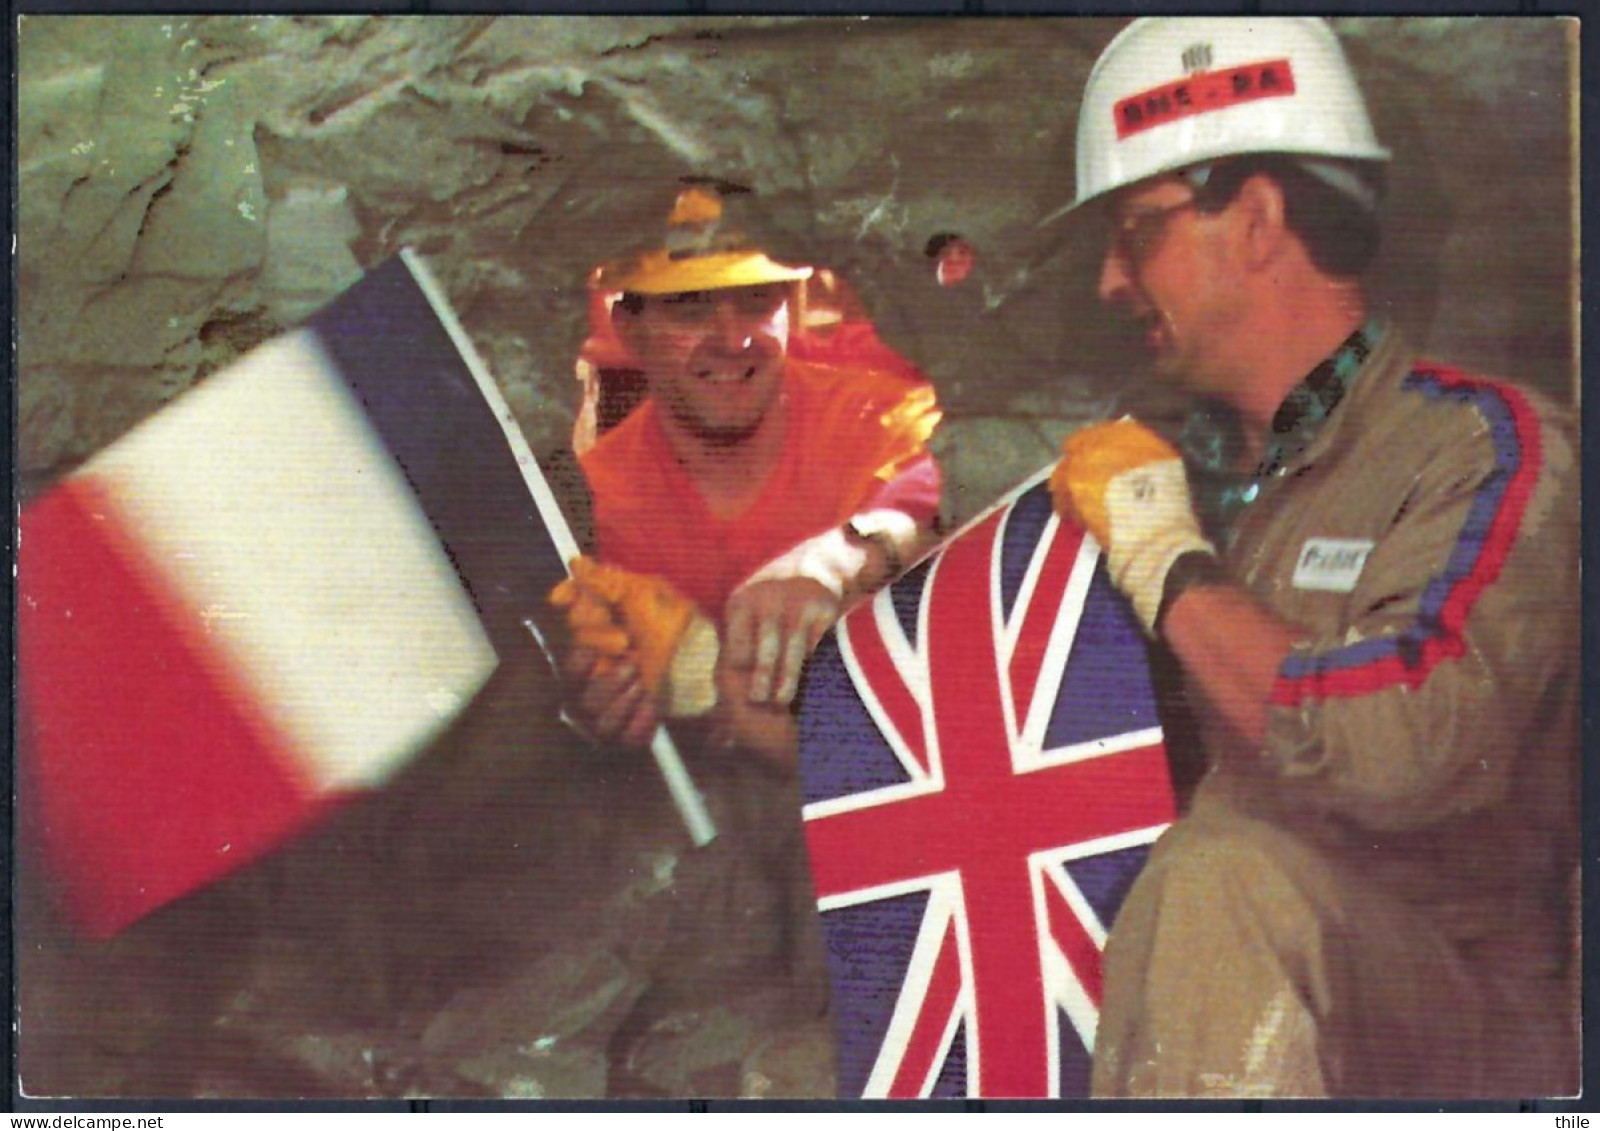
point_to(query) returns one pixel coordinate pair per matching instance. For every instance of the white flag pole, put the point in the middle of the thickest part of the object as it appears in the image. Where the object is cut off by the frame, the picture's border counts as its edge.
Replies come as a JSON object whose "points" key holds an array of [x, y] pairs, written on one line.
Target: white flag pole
{"points": [[685, 795]]}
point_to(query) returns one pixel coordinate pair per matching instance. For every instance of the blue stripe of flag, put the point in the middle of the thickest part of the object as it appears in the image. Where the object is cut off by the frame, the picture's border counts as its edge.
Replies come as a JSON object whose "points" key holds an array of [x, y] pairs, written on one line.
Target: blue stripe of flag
{"points": [[423, 401]]}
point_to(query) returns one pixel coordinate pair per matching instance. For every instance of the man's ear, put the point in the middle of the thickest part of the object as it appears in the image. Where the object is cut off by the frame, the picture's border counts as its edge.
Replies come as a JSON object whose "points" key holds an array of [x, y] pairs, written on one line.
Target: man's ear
{"points": [[1266, 226], [627, 324]]}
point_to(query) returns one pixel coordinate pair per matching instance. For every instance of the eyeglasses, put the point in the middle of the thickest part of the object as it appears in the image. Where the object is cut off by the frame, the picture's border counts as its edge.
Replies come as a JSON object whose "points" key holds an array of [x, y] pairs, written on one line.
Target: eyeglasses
{"points": [[1137, 236]]}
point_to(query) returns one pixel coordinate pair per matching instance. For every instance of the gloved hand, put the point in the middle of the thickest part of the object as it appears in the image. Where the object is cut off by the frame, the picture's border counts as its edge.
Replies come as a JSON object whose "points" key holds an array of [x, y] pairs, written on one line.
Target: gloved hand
{"points": [[1127, 487], [624, 617]]}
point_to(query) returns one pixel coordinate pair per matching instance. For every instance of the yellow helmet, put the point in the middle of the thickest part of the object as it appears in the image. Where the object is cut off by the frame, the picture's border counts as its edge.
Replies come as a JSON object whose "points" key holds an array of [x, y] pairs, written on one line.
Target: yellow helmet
{"points": [[700, 254]]}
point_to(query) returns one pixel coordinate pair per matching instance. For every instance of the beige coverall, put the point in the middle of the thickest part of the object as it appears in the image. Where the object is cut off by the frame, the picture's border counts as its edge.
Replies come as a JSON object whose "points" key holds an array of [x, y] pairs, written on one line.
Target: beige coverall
{"points": [[1378, 901]]}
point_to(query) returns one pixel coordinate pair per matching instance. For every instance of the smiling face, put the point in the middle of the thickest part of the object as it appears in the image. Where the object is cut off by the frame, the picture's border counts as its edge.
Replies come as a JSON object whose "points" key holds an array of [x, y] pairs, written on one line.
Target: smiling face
{"points": [[1171, 269], [714, 359]]}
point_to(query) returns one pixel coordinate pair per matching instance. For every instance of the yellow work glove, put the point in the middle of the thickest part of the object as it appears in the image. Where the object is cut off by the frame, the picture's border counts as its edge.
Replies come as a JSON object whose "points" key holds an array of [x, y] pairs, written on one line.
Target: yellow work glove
{"points": [[617, 613], [1127, 487]]}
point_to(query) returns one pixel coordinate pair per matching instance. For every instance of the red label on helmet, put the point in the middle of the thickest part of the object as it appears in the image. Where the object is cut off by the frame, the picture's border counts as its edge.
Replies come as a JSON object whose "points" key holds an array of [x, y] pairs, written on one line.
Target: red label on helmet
{"points": [[1201, 93]]}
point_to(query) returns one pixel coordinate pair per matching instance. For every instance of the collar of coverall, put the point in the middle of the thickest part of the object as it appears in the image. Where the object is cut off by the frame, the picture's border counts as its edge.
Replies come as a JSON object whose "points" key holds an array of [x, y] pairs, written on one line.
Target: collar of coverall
{"points": [[1210, 440]]}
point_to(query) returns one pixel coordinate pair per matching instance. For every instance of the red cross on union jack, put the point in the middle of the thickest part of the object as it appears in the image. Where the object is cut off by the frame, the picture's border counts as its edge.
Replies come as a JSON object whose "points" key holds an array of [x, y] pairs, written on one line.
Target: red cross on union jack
{"points": [[989, 817]]}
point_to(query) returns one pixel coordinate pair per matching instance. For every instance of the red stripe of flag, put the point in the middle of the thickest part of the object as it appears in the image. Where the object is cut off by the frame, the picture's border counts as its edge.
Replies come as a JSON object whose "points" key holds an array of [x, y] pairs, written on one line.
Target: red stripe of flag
{"points": [[175, 777], [866, 642], [1076, 944], [1009, 1013], [1039, 620], [988, 816], [925, 1046], [911, 837]]}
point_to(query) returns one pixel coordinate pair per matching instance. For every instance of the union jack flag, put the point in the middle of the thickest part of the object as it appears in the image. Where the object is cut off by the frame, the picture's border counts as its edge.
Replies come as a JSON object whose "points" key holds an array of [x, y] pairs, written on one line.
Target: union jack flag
{"points": [[983, 773]]}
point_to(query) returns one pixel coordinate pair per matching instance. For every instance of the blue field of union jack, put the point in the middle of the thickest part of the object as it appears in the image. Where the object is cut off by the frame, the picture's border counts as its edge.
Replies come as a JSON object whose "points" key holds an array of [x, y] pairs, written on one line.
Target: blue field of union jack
{"points": [[983, 772]]}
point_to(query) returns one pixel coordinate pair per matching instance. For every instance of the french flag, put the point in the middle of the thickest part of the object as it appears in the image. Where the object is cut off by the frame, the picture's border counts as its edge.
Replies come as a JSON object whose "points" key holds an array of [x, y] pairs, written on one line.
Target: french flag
{"points": [[270, 595]]}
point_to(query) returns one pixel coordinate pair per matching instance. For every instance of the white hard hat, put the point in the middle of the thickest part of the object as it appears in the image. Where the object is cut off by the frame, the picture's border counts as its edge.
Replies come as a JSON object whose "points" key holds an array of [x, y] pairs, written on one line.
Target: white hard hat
{"points": [[1168, 93]]}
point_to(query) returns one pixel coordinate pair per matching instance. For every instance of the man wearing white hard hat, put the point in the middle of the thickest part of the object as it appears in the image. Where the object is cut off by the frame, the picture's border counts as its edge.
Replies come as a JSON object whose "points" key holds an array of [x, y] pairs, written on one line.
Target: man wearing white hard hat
{"points": [[1365, 563]]}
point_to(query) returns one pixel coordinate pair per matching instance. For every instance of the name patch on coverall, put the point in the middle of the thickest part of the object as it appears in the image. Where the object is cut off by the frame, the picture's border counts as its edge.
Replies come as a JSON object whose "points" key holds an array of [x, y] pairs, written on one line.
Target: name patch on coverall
{"points": [[1331, 564]]}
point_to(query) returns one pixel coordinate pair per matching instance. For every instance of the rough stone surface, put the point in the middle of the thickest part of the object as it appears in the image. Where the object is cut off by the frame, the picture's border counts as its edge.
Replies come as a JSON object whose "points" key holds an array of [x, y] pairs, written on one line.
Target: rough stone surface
{"points": [[516, 916], [796, 1065], [175, 171]]}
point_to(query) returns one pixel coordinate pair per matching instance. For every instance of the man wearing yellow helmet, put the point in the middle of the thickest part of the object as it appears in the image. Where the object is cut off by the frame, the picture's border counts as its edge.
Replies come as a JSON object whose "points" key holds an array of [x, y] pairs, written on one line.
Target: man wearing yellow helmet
{"points": [[736, 510], [766, 490], [1365, 565]]}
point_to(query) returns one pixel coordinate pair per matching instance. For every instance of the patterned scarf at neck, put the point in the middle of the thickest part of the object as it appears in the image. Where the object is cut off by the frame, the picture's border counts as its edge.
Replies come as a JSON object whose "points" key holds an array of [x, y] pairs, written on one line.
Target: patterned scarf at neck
{"points": [[1212, 438]]}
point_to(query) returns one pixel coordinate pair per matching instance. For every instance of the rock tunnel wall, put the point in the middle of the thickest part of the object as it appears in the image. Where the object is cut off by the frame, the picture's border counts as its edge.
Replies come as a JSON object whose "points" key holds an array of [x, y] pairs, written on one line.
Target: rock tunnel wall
{"points": [[191, 185]]}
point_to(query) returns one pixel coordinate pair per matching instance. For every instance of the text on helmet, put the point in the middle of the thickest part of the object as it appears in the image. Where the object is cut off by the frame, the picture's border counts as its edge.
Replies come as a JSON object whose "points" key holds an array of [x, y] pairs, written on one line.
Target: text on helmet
{"points": [[1202, 93]]}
